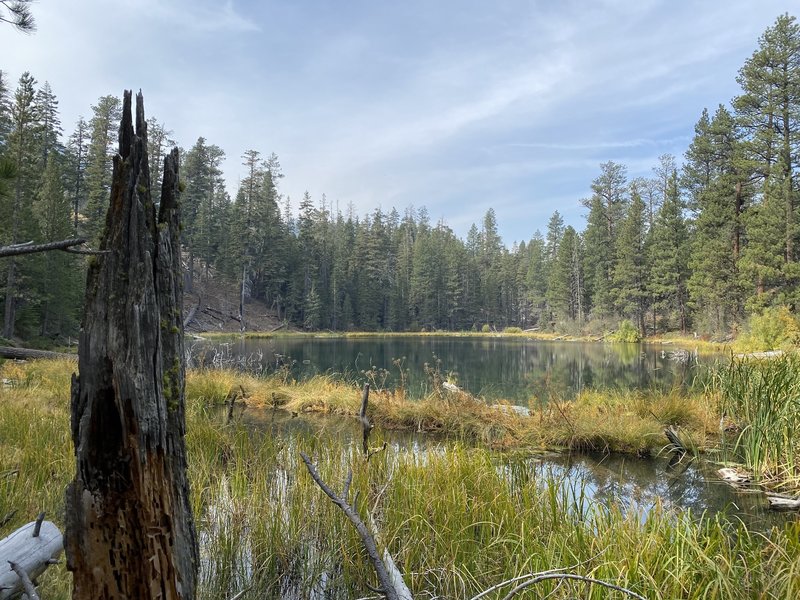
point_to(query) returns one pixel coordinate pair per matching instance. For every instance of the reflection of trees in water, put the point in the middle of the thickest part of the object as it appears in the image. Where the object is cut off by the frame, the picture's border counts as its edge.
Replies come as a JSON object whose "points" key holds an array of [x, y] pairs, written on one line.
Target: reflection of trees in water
{"points": [[515, 369], [641, 484]]}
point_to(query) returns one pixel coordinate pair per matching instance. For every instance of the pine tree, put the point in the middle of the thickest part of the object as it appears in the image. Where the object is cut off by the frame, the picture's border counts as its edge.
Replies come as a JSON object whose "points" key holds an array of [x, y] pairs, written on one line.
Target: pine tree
{"points": [[565, 286], [630, 272], [717, 178], [158, 144], [23, 152], [59, 286], [606, 208], [536, 277], [669, 260], [77, 156], [49, 132], [102, 139], [768, 116]]}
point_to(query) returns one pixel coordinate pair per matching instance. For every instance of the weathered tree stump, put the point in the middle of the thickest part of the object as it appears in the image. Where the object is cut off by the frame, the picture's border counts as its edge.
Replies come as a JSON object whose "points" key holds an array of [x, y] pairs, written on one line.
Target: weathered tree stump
{"points": [[129, 528]]}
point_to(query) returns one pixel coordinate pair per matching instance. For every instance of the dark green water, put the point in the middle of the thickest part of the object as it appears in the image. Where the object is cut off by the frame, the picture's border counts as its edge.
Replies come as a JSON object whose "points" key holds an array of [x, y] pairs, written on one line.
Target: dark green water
{"points": [[519, 370]]}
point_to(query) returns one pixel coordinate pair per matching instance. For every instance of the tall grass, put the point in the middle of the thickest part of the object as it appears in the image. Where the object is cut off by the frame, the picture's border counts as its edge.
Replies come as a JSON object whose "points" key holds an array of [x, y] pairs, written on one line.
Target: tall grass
{"points": [[457, 517], [762, 400]]}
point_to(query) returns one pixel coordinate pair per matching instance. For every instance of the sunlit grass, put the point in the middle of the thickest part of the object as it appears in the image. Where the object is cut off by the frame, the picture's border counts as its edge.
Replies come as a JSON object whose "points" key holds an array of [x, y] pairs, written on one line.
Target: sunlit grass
{"points": [[458, 518], [760, 401]]}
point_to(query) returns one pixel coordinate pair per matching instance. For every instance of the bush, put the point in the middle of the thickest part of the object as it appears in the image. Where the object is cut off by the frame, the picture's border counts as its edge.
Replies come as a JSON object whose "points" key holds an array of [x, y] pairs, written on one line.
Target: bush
{"points": [[627, 332], [775, 328], [512, 330], [486, 328]]}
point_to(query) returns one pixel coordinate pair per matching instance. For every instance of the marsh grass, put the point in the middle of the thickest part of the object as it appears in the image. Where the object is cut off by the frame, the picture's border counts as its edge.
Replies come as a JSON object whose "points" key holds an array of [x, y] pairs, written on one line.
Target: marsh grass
{"points": [[760, 400], [630, 422], [457, 517]]}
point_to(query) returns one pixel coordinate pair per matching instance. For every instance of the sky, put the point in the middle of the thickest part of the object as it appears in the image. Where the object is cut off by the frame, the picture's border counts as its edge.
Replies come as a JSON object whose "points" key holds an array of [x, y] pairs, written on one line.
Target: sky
{"points": [[458, 106]]}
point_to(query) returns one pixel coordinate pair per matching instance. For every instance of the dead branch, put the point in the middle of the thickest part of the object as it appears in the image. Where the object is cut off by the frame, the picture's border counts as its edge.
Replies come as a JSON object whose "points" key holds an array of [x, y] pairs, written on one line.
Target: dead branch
{"points": [[386, 587], [26, 353], [366, 426], [30, 247], [27, 584], [538, 577]]}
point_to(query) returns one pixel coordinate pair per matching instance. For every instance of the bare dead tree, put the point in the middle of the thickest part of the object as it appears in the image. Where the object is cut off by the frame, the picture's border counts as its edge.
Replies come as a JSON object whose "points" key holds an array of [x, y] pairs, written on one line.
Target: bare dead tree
{"points": [[129, 528]]}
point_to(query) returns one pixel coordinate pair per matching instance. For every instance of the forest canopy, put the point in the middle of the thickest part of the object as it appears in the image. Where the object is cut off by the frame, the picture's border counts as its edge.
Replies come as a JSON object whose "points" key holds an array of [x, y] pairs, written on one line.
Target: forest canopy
{"points": [[705, 242]]}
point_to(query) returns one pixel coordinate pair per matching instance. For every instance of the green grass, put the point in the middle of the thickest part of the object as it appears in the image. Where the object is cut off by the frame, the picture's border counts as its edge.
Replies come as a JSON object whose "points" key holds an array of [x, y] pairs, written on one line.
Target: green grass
{"points": [[760, 403], [457, 518]]}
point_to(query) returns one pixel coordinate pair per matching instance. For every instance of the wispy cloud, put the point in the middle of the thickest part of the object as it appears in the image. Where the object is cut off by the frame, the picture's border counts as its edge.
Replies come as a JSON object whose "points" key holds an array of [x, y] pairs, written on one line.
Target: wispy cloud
{"points": [[455, 105]]}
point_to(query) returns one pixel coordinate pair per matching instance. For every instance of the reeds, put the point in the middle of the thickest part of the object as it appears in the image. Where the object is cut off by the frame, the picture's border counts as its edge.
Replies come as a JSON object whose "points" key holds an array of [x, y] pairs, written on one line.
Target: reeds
{"points": [[759, 404]]}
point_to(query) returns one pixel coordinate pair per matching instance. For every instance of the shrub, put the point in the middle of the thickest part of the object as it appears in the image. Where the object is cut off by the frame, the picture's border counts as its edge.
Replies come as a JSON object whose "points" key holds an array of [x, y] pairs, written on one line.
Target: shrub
{"points": [[486, 328], [775, 328], [627, 332], [512, 330]]}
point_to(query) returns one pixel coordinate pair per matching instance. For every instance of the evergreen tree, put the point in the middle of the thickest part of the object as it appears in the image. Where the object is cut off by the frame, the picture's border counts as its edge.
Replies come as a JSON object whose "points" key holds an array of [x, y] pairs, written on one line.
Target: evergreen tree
{"points": [[565, 286], [59, 286], [24, 154], [630, 270], [77, 154], [159, 143], [717, 178], [669, 260], [102, 139], [536, 277], [606, 208], [768, 116], [49, 131]]}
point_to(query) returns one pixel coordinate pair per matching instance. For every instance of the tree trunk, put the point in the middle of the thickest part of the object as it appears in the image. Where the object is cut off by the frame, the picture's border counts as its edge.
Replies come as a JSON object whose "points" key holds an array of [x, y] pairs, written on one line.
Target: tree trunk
{"points": [[129, 528]]}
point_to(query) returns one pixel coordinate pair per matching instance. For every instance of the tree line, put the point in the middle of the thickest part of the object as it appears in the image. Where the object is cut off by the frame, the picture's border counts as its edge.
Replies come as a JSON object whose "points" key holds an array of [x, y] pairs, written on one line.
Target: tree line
{"points": [[699, 245]]}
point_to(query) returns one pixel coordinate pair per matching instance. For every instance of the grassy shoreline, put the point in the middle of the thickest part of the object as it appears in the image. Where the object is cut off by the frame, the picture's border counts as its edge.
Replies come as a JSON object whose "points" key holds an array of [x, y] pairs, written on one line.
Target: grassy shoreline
{"points": [[675, 339], [457, 520]]}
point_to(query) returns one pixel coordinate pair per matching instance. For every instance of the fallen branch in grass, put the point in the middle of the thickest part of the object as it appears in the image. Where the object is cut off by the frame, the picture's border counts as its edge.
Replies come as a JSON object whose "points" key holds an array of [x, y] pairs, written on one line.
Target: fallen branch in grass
{"points": [[27, 584], [546, 575], [30, 353], [385, 579]]}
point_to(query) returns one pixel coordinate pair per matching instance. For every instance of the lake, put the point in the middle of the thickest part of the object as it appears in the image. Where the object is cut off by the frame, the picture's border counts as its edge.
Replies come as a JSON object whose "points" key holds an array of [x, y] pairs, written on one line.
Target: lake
{"points": [[520, 370]]}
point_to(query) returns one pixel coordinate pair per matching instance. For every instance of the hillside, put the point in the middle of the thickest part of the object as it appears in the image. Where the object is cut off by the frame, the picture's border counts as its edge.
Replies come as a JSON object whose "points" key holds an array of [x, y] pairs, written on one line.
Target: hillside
{"points": [[212, 305]]}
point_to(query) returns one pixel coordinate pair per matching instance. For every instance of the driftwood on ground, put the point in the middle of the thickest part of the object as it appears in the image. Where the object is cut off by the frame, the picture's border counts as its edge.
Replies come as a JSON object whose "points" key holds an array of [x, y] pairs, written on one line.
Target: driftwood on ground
{"points": [[29, 353], [26, 554]]}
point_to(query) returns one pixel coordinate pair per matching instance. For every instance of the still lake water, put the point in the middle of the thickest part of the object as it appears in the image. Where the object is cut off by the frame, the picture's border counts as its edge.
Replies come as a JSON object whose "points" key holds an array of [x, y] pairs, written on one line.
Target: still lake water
{"points": [[520, 370]]}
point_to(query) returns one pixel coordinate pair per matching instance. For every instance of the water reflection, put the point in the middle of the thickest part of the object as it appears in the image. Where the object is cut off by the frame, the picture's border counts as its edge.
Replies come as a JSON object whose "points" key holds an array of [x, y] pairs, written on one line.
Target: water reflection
{"points": [[516, 369], [633, 484]]}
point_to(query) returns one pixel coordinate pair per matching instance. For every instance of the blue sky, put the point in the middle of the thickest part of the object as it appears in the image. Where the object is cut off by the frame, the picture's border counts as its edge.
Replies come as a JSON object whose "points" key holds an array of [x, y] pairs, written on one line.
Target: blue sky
{"points": [[457, 106]]}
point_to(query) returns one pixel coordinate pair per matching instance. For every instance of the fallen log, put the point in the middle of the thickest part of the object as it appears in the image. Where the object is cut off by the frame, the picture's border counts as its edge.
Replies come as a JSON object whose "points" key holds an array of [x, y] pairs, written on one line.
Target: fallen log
{"points": [[777, 502], [28, 551], [29, 353]]}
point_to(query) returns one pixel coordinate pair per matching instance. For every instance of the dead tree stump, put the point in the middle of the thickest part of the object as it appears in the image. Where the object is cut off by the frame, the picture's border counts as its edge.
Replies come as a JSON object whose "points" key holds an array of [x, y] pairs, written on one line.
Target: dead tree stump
{"points": [[129, 528]]}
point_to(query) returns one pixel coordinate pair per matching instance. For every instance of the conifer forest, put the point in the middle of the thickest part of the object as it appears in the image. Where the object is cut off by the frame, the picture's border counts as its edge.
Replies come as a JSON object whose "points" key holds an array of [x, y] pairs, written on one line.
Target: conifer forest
{"points": [[709, 239]]}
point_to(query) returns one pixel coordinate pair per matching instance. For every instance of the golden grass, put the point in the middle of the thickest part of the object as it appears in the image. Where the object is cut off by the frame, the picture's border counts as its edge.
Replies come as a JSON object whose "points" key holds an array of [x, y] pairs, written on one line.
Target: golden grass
{"points": [[457, 520], [630, 422]]}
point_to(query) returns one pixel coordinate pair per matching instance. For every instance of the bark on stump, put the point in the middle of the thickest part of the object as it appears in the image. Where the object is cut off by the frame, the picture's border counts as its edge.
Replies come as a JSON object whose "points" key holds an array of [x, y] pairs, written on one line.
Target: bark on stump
{"points": [[129, 528]]}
